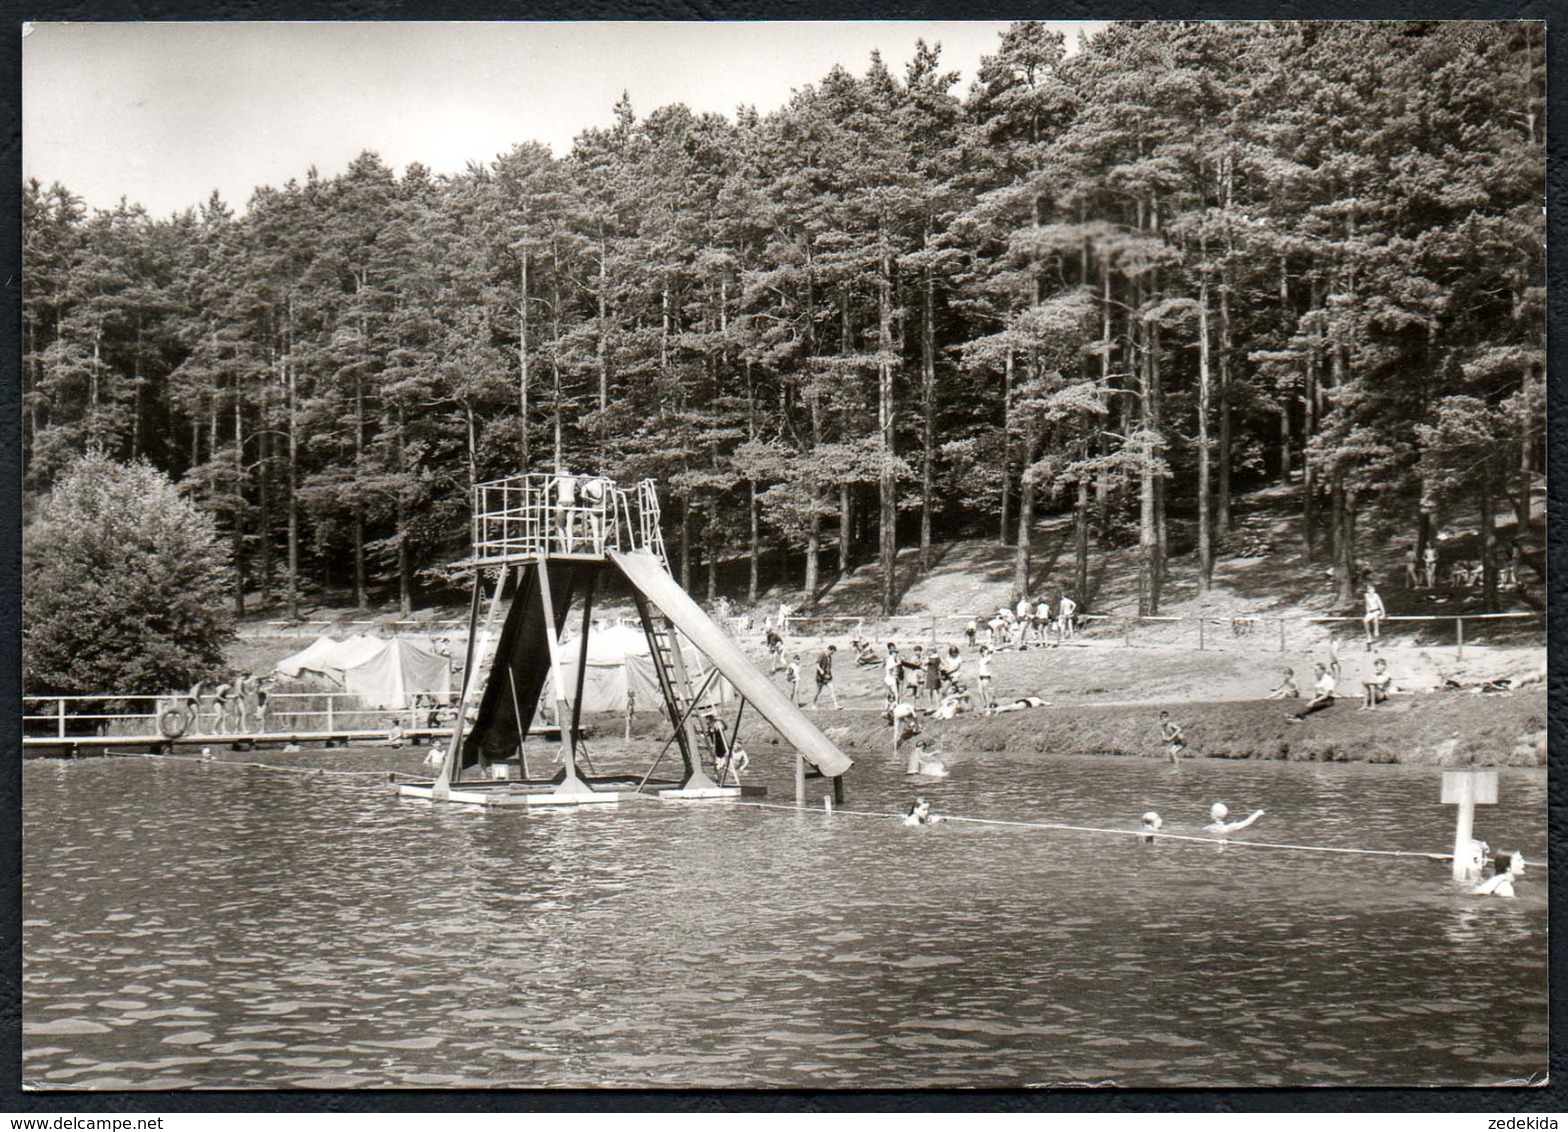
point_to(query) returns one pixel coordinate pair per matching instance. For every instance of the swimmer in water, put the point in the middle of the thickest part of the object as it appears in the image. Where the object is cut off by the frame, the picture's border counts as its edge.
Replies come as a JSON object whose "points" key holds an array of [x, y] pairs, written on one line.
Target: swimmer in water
{"points": [[1501, 883], [1151, 825], [919, 764], [1217, 823], [920, 813]]}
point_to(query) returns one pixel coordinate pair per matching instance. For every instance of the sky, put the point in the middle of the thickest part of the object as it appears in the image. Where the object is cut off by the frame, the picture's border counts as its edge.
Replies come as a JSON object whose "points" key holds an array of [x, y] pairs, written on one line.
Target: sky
{"points": [[164, 113]]}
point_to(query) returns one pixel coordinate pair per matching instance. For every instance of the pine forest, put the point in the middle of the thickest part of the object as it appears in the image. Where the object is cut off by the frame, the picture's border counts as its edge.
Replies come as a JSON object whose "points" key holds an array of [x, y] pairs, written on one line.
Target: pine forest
{"points": [[1122, 284]]}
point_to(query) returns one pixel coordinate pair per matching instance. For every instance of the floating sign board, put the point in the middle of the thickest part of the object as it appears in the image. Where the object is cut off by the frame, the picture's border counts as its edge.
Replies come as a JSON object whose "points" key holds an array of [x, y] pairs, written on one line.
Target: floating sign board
{"points": [[1477, 787]]}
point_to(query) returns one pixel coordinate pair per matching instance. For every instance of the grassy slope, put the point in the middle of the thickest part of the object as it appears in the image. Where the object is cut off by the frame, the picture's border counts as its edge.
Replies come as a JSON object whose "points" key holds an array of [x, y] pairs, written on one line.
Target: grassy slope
{"points": [[1164, 667]]}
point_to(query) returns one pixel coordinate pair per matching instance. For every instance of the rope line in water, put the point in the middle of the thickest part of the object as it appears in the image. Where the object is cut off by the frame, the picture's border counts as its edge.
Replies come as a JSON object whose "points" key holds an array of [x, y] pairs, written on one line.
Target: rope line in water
{"points": [[1538, 862], [310, 770], [1065, 827]]}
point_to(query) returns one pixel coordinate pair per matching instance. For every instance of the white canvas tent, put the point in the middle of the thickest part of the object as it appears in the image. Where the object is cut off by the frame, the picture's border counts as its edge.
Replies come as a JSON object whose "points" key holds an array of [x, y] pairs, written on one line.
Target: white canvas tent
{"points": [[619, 661], [383, 673]]}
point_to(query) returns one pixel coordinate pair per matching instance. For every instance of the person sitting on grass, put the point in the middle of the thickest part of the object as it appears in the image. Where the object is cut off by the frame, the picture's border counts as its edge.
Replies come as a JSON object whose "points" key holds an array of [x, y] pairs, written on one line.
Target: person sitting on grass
{"points": [[956, 703], [1288, 689], [1322, 694], [1170, 733], [1022, 704], [1217, 823], [1375, 687], [866, 656]]}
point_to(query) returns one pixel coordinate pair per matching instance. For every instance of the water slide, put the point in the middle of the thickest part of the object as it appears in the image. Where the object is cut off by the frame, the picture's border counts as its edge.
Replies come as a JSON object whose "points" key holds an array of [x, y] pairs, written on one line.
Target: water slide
{"points": [[653, 581]]}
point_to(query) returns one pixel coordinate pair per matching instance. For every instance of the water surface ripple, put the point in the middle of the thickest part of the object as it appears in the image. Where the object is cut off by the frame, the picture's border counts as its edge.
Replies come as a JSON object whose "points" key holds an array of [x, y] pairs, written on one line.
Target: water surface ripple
{"points": [[198, 925]]}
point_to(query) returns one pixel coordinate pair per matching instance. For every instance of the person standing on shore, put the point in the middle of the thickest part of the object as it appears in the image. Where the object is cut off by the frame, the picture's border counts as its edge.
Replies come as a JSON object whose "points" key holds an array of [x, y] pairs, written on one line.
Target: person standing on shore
{"points": [[983, 675], [1066, 613], [933, 678], [1372, 620], [892, 674], [825, 677]]}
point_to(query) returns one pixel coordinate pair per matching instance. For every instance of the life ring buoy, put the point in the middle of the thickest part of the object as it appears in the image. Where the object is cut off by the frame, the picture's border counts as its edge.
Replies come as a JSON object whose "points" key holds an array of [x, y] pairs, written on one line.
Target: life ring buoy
{"points": [[173, 722]]}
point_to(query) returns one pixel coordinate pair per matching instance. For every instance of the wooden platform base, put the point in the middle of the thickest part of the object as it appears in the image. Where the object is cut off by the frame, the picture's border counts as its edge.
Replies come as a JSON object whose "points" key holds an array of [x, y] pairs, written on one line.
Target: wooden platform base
{"points": [[700, 794], [487, 794]]}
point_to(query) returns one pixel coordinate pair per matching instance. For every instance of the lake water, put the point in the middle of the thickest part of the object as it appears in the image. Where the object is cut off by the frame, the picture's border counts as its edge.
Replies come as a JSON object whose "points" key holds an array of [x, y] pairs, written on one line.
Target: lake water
{"points": [[198, 925]]}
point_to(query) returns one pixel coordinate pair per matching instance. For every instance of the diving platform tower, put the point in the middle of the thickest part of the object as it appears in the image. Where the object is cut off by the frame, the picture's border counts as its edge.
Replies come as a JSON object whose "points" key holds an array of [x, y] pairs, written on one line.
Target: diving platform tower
{"points": [[548, 540]]}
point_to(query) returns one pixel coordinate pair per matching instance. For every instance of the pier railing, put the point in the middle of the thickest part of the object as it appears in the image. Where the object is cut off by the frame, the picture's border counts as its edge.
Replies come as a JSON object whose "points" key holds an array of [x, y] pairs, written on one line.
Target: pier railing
{"points": [[87, 717]]}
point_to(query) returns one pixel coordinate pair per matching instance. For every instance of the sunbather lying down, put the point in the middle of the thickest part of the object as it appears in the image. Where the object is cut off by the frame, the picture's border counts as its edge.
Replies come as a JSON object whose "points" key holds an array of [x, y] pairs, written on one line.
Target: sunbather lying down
{"points": [[1020, 705]]}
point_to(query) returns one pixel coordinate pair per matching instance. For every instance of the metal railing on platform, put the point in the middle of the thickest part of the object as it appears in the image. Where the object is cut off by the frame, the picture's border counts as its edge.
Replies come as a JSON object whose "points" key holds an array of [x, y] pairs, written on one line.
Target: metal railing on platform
{"points": [[521, 517]]}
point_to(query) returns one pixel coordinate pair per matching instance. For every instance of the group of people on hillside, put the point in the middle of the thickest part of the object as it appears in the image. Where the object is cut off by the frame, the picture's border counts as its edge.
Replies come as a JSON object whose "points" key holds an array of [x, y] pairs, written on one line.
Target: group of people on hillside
{"points": [[794, 673], [926, 677], [1028, 622], [1421, 570], [1376, 685]]}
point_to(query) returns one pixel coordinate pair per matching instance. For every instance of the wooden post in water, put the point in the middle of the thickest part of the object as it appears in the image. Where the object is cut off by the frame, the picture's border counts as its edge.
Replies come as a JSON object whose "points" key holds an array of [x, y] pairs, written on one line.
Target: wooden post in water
{"points": [[800, 779], [1467, 789], [838, 789]]}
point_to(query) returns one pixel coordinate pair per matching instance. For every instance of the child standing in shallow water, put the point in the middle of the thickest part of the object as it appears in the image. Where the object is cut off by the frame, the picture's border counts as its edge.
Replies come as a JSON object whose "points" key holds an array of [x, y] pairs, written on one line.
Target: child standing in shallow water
{"points": [[1170, 732]]}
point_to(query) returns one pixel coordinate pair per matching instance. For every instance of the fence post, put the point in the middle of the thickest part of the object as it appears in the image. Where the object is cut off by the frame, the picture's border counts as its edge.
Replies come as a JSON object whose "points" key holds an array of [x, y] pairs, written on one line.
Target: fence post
{"points": [[1200, 634], [330, 699], [1281, 634], [1127, 634], [60, 713], [1459, 636]]}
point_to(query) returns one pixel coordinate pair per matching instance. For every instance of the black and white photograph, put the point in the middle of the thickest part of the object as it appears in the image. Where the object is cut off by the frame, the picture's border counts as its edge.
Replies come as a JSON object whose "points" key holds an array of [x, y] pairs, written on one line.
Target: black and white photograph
{"points": [[780, 555]]}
